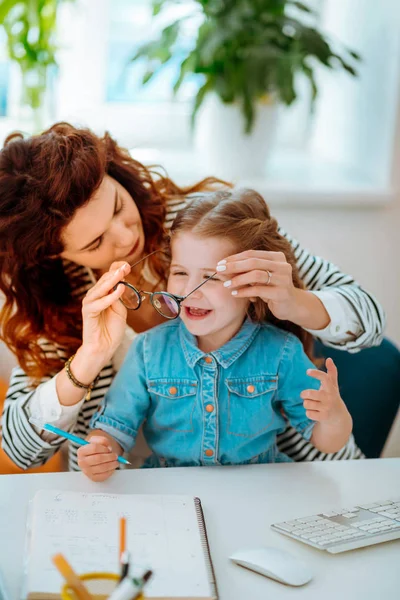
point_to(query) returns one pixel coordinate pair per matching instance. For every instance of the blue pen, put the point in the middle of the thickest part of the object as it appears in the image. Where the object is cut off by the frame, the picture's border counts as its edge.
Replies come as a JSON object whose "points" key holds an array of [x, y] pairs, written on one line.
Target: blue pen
{"points": [[71, 436]]}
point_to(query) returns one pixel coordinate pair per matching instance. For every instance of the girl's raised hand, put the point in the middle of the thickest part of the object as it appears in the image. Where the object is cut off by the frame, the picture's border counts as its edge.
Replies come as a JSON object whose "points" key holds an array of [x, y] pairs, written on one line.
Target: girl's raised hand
{"points": [[325, 404]]}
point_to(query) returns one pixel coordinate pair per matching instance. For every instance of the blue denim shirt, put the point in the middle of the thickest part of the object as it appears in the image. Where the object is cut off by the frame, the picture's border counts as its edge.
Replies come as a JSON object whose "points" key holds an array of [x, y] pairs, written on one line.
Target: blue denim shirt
{"points": [[208, 409]]}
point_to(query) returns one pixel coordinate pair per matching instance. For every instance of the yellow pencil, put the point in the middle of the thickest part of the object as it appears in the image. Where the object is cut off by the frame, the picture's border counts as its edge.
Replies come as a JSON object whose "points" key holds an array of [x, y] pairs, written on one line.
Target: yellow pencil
{"points": [[72, 579], [122, 537]]}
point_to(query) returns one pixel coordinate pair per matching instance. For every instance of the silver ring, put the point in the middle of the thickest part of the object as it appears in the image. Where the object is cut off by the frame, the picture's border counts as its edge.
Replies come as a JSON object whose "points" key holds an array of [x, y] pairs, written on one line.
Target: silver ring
{"points": [[269, 277]]}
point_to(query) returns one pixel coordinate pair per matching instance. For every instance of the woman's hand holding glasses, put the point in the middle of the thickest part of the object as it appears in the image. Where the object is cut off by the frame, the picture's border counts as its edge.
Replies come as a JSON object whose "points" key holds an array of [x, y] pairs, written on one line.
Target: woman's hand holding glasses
{"points": [[104, 316]]}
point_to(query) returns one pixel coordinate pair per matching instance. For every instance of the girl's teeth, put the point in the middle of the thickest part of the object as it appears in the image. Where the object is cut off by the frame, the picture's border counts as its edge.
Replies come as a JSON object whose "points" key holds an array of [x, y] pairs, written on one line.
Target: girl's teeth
{"points": [[198, 311]]}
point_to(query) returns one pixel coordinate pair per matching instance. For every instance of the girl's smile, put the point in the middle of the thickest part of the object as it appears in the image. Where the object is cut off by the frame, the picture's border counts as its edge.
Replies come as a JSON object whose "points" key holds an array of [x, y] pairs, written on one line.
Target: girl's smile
{"points": [[196, 314], [210, 313]]}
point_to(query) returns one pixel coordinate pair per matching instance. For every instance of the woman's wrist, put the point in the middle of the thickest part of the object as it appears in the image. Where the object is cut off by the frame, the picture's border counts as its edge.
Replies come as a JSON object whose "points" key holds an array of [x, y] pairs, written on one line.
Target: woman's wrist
{"points": [[308, 311], [86, 365]]}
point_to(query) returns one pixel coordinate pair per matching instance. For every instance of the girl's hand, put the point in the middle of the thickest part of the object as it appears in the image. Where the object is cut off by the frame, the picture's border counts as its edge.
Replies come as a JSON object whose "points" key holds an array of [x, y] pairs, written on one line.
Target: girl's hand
{"points": [[262, 274], [104, 316], [97, 460], [325, 405]]}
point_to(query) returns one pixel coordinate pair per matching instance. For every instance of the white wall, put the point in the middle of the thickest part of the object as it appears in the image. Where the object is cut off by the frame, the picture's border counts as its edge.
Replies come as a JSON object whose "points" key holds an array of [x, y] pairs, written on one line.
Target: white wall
{"points": [[364, 243]]}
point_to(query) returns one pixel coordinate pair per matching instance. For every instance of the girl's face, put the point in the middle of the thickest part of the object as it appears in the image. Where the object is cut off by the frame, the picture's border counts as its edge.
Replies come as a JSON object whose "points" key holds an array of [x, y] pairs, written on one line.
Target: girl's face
{"points": [[107, 229], [211, 313]]}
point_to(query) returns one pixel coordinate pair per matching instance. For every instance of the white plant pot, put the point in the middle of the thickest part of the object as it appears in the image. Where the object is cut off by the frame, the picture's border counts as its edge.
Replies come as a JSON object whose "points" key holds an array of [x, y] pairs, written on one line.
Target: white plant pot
{"points": [[223, 147]]}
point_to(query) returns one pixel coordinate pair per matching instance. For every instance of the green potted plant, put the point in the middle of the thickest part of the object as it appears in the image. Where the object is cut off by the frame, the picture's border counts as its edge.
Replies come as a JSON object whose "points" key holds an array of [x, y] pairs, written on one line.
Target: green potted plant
{"points": [[247, 55], [30, 27]]}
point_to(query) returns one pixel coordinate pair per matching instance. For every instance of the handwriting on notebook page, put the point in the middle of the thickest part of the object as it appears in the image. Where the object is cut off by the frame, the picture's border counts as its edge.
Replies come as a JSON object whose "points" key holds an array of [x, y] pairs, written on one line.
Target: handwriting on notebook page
{"points": [[162, 534]]}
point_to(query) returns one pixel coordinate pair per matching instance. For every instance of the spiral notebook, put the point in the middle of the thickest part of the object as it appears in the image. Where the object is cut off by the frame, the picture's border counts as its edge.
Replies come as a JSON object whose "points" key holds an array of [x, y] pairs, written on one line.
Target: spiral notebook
{"points": [[164, 533]]}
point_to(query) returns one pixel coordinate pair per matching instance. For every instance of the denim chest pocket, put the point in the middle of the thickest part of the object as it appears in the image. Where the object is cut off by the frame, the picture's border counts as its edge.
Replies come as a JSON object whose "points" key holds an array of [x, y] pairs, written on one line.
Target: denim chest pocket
{"points": [[172, 404], [250, 410]]}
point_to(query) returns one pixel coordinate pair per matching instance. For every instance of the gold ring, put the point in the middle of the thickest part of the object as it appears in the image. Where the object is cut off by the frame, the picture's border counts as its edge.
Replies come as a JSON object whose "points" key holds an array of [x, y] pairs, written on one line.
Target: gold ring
{"points": [[269, 277]]}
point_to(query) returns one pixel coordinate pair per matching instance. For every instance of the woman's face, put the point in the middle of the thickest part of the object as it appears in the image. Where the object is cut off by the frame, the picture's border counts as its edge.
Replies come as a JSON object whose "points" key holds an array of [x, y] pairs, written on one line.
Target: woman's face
{"points": [[107, 229]]}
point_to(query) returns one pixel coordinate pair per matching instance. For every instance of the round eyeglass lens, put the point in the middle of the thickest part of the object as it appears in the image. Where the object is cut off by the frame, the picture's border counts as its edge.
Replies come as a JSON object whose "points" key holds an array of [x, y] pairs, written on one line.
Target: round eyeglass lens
{"points": [[166, 305], [130, 298]]}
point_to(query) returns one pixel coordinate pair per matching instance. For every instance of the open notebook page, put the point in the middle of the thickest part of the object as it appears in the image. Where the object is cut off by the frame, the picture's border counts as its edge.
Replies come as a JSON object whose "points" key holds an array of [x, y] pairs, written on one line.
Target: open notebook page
{"points": [[163, 534]]}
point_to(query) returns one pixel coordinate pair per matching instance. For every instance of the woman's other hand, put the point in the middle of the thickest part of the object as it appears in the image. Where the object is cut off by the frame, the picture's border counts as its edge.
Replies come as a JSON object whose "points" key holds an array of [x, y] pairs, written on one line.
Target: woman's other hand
{"points": [[267, 275]]}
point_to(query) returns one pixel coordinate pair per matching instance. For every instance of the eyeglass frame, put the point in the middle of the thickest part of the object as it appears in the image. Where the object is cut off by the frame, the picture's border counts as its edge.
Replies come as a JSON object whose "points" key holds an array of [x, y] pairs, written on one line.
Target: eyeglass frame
{"points": [[177, 299]]}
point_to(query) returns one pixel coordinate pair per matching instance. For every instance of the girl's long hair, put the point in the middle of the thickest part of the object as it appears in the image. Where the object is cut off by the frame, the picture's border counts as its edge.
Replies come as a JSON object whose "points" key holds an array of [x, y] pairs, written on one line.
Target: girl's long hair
{"points": [[242, 217], [44, 180]]}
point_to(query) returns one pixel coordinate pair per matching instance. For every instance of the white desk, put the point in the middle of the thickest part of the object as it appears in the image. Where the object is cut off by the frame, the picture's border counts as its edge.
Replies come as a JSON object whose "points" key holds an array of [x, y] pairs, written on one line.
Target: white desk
{"points": [[239, 504]]}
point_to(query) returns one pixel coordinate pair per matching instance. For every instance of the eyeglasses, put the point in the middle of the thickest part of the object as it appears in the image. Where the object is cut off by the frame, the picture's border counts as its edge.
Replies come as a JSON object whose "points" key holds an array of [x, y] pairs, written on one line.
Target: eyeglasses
{"points": [[166, 304]]}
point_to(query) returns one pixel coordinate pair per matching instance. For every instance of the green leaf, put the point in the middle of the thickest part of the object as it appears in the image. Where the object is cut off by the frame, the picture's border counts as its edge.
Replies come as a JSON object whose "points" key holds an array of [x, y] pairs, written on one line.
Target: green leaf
{"points": [[308, 71], [248, 110], [187, 66], [147, 76], [157, 6], [347, 67], [354, 54], [201, 94], [303, 7], [5, 7]]}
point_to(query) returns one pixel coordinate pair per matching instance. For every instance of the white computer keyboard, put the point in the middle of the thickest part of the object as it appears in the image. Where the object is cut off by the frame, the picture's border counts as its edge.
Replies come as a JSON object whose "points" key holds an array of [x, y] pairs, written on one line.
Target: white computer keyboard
{"points": [[347, 528]]}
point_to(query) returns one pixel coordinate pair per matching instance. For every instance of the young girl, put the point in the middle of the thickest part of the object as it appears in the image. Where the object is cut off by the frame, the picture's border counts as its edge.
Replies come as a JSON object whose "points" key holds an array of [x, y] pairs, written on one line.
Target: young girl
{"points": [[215, 386]]}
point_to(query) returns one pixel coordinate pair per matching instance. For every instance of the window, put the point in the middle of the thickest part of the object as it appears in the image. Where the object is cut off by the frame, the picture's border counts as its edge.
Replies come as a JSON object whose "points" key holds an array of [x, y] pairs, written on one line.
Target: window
{"points": [[346, 146], [130, 25], [4, 75], [99, 85]]}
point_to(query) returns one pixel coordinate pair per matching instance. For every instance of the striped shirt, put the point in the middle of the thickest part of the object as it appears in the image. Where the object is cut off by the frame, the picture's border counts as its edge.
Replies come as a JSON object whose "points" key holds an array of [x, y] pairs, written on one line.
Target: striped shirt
{"points": [[26, 448]]}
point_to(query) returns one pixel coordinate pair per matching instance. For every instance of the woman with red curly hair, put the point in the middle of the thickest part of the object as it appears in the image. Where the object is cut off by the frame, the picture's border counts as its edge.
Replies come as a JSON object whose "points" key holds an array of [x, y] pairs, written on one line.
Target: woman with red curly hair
{"points": [[76, 211]]}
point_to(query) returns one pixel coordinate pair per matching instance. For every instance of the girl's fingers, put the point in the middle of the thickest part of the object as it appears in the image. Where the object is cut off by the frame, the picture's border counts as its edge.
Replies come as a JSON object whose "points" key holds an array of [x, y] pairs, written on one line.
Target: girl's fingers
{"points": [[331, 369], [102, 469], [99, 478], [96, 460], [312, 395], [314, 415], [94, 448], [316, 374], [312, 405]]}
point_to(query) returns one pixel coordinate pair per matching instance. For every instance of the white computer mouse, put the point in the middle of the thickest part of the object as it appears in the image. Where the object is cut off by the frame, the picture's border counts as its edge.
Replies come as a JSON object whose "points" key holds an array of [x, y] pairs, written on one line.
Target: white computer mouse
{"points": [[274, 563]]}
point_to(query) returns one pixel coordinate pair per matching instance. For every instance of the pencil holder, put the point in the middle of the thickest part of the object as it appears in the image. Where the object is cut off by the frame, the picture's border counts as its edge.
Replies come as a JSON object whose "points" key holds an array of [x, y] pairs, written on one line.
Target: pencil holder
{"points": [[99, 585]]}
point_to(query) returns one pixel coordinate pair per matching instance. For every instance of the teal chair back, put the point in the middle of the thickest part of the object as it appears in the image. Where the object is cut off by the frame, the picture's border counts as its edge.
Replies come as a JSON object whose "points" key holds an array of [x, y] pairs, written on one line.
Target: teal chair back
{"points": [[369, 383]]}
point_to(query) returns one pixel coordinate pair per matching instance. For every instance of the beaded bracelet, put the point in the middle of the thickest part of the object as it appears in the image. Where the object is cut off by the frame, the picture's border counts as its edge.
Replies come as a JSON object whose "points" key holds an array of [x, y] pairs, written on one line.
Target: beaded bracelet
{"points": [[78, 383]]}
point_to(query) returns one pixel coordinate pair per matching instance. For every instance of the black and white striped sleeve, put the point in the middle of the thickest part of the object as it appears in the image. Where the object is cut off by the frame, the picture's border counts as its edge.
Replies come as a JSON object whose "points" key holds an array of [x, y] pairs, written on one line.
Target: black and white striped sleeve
{"points": [[319, 274], [20, 441]]}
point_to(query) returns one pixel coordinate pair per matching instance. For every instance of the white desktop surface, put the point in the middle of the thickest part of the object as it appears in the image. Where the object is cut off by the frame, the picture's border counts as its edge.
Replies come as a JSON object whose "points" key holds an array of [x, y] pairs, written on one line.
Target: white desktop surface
{"points": [[239, 505]]}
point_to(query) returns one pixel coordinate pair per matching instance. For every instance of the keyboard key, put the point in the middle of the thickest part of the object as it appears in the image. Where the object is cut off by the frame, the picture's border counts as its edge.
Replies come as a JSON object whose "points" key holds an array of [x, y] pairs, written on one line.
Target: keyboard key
{"points": [[350, 515], [332, 513], [285, 527], [385, 507], [370, 505]]}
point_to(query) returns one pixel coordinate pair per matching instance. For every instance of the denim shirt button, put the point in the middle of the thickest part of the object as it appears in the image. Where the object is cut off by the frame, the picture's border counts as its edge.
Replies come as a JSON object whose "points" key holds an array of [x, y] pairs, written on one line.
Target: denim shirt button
{"points": [[251, 389], [209, 408], [209, 453], [208, 359], [173, 391]]}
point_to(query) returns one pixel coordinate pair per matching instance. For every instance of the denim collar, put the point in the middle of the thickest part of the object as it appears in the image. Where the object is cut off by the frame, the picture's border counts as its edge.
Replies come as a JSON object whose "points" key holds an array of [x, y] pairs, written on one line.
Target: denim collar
{"points": [[227, 354]]}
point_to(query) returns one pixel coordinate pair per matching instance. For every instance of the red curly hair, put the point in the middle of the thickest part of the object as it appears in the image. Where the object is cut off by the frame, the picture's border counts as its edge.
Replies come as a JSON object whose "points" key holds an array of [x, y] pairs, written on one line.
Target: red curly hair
{"points": [[43, 181]]}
